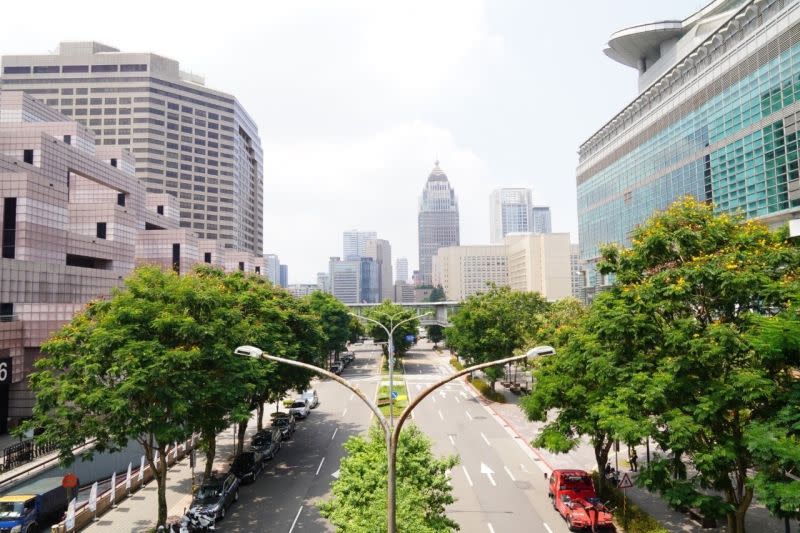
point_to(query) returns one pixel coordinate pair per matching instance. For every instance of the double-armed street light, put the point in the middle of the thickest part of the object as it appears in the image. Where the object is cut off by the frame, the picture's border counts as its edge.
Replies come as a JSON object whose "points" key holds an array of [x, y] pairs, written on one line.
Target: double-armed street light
{"points": [[392, 432]]}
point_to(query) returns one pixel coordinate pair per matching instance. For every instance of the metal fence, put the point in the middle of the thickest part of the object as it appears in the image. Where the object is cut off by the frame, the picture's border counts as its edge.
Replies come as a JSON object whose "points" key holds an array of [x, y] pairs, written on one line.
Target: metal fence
{"points": [[22, 453]]}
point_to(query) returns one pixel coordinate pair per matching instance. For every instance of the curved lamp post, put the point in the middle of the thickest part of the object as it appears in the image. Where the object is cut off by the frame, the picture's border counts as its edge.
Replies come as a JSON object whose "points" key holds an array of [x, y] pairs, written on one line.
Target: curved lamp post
{"points": [[391, 432]]}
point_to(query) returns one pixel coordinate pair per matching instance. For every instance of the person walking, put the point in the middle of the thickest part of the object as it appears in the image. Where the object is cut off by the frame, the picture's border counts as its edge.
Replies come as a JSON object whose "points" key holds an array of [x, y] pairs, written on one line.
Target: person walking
{"points": [[633, 458]]}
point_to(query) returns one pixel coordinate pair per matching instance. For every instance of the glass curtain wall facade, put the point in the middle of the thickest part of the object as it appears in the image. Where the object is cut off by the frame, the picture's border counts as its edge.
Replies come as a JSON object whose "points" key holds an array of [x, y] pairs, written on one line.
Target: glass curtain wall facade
{"points": [[437, 222], [721, 126]]}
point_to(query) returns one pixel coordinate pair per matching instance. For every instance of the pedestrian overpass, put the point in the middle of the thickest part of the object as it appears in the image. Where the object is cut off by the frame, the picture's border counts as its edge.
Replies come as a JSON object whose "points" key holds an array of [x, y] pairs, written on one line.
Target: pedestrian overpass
{"points": [[438, 312]]}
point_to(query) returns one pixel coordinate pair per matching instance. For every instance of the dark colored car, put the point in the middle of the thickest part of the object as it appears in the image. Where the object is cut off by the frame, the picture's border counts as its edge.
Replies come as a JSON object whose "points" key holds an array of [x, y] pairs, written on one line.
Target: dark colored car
{"points": [[216, 495], [267, 442], [248, 465], [286, 423]]}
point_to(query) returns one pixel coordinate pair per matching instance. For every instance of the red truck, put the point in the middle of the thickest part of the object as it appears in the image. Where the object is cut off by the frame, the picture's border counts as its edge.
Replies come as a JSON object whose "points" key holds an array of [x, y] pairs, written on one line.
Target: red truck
{"points": [[574, 497]]}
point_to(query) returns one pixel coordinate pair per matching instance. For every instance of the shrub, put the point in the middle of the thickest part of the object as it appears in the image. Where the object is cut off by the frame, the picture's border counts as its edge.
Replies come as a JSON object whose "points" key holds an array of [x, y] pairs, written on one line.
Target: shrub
{"points": [[455, 363], [486, 390], [638, 521]]}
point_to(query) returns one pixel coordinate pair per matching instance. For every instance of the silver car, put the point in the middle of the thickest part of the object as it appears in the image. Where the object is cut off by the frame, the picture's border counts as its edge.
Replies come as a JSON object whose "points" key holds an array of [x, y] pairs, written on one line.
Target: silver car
{"points": [[310, 396], [299, 408]]}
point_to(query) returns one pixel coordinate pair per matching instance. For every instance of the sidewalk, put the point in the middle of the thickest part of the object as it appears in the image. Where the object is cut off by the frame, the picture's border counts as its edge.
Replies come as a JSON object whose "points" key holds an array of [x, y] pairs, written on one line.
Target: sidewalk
{"points": [[138, 512], [757, 519]]}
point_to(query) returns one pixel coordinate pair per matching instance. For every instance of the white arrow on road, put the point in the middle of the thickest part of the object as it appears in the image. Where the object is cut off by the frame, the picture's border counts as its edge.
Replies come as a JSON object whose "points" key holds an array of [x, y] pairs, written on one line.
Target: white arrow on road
{"points": [[442, 394], [489, 473], [335, 474]]}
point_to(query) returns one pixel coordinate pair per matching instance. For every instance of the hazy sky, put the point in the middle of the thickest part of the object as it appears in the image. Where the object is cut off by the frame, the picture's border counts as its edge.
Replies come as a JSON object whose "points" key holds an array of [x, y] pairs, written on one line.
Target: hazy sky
{"points": [[355, 100]]}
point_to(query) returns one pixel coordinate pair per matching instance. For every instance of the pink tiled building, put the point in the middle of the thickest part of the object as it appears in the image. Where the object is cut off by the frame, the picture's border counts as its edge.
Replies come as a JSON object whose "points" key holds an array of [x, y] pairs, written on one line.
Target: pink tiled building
{"points": [[74, 221]]}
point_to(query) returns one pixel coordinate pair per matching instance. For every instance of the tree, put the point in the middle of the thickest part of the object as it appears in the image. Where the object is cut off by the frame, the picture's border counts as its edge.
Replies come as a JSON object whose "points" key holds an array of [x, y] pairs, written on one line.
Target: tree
{"points": [[437, 294], [712, 286], [390, 315], [358, 504], [335, 321], [435, 333], [493, 325], [123, 369]]}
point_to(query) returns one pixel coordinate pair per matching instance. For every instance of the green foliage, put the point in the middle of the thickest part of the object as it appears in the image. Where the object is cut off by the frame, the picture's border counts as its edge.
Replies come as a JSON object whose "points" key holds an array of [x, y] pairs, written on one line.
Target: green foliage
{"points": [[435, 333], [437, 294], [358, 504], [390, 314], [633, 517], [335, 320], [455, 363], [495, 324], [487, 391]]}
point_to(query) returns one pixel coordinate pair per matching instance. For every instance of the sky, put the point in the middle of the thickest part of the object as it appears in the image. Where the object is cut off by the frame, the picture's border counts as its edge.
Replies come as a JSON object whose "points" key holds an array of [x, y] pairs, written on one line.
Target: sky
{"points": [[356, 99]]}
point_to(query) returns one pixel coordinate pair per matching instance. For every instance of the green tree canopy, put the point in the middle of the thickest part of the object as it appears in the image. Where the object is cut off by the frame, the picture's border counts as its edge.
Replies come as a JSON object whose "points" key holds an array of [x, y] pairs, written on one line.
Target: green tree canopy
{"points": [[334, 318], [437, 294], [358, 504], [435, 333], [495, 324]]}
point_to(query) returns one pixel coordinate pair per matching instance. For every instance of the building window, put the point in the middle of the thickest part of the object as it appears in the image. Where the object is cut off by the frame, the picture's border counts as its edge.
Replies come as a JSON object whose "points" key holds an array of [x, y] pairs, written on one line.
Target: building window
{"points": [[101, 230], [16, 70], [121, 199], [75, 68], [208, 257], [160, 209], [9, 227], [241, 265], [27, 156], [113, 161], [105, 68], [176, 257], [6, 312], [133, 68], [258, 270], [50, 69]]}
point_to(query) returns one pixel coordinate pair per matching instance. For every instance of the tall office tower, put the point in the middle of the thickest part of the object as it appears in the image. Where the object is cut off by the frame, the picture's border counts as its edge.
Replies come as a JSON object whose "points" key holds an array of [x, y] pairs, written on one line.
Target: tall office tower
{"points": [[509, 212], [401, 269], [191, 142], [283, 279], [540, 219], [272, 268], [381, 252], [344, 277], [323, 282], [369, 281], [437, 221], [576, 271], [354, 243], [716, 117]]}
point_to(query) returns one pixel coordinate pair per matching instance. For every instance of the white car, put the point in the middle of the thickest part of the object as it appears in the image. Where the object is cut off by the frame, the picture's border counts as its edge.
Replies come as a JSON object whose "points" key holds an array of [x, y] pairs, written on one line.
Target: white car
{"points": [[310, 396], [299, 408]]}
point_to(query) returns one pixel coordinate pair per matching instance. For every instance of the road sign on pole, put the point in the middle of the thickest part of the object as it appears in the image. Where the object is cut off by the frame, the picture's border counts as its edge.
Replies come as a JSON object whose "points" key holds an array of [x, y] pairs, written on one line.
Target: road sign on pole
{"points": [[625, 482], [394, 395]]}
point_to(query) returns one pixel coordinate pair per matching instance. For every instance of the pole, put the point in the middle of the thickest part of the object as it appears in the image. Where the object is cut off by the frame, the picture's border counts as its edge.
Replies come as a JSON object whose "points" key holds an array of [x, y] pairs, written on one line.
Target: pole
{"points": [[647, 443]]}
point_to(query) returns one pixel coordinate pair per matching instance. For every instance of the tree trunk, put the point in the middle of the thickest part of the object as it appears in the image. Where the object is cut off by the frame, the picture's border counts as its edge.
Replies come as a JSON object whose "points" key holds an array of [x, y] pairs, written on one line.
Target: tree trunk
{"points": [[161, 479], [240, 437], [736, 518], [602, 446], [211, 452], [260, 414]]}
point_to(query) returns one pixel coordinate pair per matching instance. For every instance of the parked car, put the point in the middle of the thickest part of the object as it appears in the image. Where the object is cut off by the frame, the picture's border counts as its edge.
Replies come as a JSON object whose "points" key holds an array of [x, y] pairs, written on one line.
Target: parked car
{"points": [[311, 397], [299, 408], [267, 442], [216, 495], [347, 357], [248, 465], [336, 368], [573, 496], [285, 422]]}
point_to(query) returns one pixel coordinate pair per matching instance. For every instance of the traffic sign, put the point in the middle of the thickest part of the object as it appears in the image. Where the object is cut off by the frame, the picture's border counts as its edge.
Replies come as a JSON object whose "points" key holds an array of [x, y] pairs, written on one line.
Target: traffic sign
{"points": [[625, 482], [410, 338], [394, 395]]}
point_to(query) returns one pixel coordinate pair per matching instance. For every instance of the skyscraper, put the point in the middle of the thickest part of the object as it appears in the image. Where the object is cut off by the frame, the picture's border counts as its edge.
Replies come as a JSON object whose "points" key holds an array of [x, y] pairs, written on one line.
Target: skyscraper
{"points": [[509, 212], [540, 219], [438, 224], [715, 118], [192, 142], [283, 279], [272, 268], [381, 252], [401, 269], [354, 243]]}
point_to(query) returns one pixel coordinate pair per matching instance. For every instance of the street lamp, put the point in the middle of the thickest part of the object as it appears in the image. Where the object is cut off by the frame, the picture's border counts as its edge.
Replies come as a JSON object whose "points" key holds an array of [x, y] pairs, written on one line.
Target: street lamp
{"points": [[392, 433]]}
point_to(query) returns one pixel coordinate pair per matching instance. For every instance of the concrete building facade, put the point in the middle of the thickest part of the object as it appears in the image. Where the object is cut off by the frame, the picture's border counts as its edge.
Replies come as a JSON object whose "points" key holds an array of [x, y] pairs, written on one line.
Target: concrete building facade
{"points": [[540, 219], [509, 212], [716, 117], [192, 142], [299, 290], [354, 243], [437, 222], [466, 270], [401, 269], [380, 251]]}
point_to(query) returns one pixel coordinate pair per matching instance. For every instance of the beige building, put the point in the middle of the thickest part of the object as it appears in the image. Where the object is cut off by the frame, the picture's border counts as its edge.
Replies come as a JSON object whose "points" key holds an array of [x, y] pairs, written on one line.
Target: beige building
{"points": [[403, 292], [381, 252], [525, 262], [74, 221], [466, 270]]}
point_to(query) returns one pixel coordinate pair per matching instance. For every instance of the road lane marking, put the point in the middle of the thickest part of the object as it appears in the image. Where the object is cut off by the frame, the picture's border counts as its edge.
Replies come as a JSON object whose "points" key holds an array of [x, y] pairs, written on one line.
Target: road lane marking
{"points": [[489, 473], [298, 516], [344, 412], [441, 415], [433, 398], [334, 433], [320, 466], [457, 400], [510, 474], [485, 439], [464, 394], [547, 527], [469, 479], [351, 396], [468, 415], [491, 529], [522, 466], [452, 441]]}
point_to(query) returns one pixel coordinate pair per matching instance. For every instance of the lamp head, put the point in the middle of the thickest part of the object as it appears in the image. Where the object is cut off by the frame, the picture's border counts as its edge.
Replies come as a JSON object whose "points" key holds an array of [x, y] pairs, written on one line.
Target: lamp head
{"points": [[540, 351], [249, 351]]}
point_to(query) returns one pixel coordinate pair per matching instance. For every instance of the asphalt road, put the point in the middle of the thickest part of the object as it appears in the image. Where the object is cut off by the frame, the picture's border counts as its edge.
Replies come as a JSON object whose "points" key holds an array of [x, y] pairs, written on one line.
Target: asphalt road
{"points": [[283, 498], [498, 484]]}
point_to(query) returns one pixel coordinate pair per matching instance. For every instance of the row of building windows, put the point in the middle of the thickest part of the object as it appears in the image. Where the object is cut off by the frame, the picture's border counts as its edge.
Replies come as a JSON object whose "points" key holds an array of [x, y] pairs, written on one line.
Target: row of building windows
{"points": [[69, 69]]}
